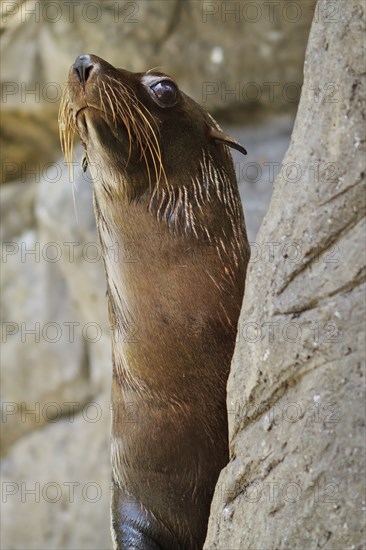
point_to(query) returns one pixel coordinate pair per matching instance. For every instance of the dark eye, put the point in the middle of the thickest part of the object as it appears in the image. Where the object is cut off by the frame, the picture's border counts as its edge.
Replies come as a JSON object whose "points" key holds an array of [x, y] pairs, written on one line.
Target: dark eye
{"points": [[165, 93]]}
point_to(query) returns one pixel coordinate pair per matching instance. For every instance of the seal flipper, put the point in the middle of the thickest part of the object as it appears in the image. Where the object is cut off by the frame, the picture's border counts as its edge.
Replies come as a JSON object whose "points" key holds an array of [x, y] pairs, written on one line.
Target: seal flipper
{"points": [[219, 135], [130, 537], [135, 528], [127, 532]]}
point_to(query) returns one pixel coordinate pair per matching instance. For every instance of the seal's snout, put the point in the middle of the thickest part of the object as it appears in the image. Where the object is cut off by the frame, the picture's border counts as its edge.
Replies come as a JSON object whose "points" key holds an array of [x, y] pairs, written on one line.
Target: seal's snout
{"points": [[83, 67]]}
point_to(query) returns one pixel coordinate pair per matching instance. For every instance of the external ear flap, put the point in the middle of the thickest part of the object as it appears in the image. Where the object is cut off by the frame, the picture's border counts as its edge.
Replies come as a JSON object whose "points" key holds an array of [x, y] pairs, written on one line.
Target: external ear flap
{"points": [[219, 135], [84, 162]]}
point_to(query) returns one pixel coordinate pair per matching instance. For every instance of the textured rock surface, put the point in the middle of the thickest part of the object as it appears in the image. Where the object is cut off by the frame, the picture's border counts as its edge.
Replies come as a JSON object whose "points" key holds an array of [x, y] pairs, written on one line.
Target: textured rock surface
{"points": [[204, 45], [56, 369], [195, 41], [295, 393], [62, 502]]}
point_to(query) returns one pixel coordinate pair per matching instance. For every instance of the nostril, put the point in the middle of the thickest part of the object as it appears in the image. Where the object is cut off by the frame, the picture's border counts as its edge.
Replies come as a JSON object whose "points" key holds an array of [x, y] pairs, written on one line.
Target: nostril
{"points": [[83, 67], [87, 71]]}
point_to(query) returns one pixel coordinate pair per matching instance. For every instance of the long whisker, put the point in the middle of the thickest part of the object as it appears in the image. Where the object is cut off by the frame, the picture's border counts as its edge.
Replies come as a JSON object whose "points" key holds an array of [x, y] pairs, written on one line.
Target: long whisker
{"points": [[67, 135], [110, 103], [158, 151], [127, 123], [143, 129]]}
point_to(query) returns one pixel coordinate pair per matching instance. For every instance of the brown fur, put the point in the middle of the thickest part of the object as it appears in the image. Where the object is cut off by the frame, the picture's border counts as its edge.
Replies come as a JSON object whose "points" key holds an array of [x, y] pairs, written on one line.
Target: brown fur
{"points": [[166, 188]]}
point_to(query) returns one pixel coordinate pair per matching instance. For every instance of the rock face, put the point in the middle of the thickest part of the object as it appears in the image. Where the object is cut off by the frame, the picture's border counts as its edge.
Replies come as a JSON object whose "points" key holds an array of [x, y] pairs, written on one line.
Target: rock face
{"points": [[204, 45], [295, 393], [198, 42], [56, 369]]}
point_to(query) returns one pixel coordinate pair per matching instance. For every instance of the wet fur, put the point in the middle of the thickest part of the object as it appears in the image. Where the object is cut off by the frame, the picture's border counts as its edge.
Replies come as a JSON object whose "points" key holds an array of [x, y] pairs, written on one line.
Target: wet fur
{"points": [[164, 185]]}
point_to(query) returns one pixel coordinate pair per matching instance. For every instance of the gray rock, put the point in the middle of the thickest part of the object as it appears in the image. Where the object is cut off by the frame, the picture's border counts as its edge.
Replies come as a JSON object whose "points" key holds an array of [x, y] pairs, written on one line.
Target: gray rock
{"points": [[15, 221], [296, 389], [212, 48], [266, 143], [56, 368], [56, 484], [47, 275]]}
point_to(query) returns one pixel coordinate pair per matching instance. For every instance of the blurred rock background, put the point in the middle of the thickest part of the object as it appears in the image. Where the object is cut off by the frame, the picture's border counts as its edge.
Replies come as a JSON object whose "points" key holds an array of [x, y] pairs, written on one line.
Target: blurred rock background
{"points": [[243, 61]]}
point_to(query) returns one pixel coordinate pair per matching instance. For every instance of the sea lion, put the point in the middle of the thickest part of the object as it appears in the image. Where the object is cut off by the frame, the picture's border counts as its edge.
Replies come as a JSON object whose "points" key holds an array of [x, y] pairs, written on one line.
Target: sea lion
{"points": [[164, 181]]}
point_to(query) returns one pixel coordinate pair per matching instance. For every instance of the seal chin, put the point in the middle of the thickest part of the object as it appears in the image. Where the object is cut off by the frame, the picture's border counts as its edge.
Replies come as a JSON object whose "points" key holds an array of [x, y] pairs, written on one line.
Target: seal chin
{"points": [[92, 120]]}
